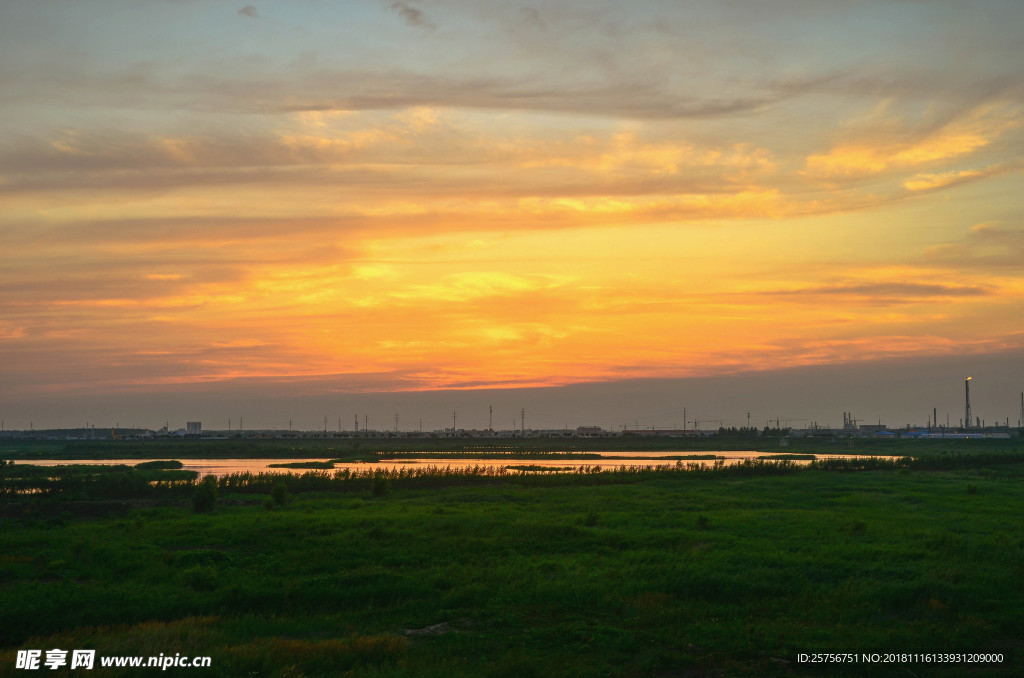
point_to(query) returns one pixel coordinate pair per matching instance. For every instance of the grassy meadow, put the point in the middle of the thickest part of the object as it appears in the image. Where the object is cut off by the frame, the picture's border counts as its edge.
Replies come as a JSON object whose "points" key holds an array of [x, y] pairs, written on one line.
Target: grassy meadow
{"points": [[713, 573]]}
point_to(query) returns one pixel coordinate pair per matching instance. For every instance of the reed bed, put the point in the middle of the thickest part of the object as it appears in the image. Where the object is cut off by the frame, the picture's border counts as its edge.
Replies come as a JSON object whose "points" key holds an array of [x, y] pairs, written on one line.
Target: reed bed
{"points": [[122, 482]]}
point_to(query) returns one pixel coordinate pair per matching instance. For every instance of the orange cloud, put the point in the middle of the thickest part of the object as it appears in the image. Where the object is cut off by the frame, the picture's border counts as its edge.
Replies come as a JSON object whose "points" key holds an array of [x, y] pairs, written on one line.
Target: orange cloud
{"points": [[957, 138], [924, 182], [430, 248]]}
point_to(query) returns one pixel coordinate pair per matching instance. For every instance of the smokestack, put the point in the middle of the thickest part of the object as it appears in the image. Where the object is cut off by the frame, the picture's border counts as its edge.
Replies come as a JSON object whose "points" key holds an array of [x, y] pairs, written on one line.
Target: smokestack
{"points": [[967, 402]]}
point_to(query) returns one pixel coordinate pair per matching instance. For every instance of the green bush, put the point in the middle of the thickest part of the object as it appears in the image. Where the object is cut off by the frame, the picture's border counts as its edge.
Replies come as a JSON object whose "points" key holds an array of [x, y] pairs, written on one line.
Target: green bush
{"points": [[205, 498], [380, 486], [280, 495], [159, 465]]}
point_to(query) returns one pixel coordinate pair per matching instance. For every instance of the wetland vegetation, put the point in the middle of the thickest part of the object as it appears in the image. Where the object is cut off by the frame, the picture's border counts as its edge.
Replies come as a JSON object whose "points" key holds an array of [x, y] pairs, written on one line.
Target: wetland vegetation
{"points": [[352, 449], [720, 570]]}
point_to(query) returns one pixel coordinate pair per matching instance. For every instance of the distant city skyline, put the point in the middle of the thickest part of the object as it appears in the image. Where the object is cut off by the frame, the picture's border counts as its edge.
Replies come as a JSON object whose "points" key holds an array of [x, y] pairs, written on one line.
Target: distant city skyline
{"points": [[593, 210], [895, 393]]}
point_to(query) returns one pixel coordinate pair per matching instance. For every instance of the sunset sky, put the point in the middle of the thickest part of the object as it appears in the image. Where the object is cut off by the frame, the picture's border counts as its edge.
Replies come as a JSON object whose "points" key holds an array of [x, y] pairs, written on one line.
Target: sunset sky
{"points": [[217, 202]]}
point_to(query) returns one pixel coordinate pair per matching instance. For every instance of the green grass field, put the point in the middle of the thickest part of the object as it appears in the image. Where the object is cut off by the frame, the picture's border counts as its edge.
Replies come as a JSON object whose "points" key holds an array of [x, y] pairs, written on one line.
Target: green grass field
{"points": [[634, 574]]}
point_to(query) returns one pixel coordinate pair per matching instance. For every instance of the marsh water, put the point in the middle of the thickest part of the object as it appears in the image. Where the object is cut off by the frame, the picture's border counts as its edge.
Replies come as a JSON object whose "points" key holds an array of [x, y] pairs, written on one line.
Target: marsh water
{"points": [[607, 460]]}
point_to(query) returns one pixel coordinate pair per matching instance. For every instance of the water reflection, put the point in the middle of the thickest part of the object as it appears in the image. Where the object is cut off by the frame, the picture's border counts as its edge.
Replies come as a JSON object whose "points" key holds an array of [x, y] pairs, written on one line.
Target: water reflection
{"points": [[607, 460]]}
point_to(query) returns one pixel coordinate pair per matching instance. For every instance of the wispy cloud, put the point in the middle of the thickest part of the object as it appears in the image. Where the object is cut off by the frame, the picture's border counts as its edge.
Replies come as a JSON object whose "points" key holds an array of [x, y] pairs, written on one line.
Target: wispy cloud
{"points": [[884, 292], [961, 136], [987, 247], [412, 15]]}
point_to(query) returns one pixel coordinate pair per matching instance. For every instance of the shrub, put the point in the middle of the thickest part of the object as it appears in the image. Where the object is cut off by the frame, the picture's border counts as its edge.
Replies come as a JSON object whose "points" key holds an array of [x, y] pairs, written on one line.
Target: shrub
{"points": [[280, 494], [159, 465], [380, 486], [205, 498]]}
